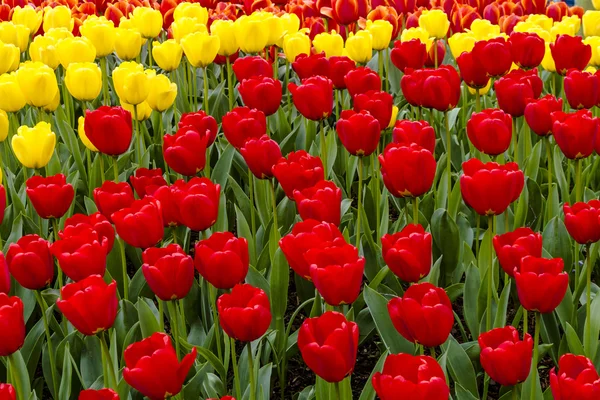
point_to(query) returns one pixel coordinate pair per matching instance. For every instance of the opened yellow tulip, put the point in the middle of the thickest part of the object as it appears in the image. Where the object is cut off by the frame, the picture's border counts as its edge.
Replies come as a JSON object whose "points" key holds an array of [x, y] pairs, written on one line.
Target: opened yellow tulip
{"points": [[381, 31], [295, 44], [27, 16], [548, 61], [38, 83], [540, 20], [572, 20], [53, 105], [4, 124], [484, 29], [75, 50], [12, 98], [120, 74], [274, 26], [562, 28], [225, 30], [200, 48], [57, 17], [251, 34], [186, 26], [101, 32], [147, 21], [84, 80], [128, 43], [591, 23], [84, 139], [435, 22], [360, 47], [594, 42], [290, 23], [191, 10], [162, 93], [126, 23], [43, 49], [417, 33], [332, 44], [167, 54], [141, 112], [461, 42], [131, 82], [14, 34], [59, 34], [9, 57], [34, 146]]}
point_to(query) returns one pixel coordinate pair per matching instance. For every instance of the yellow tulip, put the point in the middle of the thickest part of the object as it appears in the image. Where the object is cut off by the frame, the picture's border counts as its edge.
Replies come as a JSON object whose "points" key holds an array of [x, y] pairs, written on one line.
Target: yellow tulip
{"points": [[532, 28], [167, 54], [162, 93], [591, 23], [27, 16], [191, 10], [34, 146], [9, 57], [394, 117], [360, 46], [131, 82], [76, 49], [126, 23], [594, 42], [200, 48], [84, 139], [53, 105], [381, 31], [541, 20], [141, 112], [461, 42], [435, 22], [84, 80], [43, 49], [481, 91], [332, 44], [290, 24], [574, 21], [38, 83], [417, 33], [3, 125], [59, 34], [101, 32], [57, 17], [11, 95], [128, 43], [548, 61], [274, 26], [591, 70], [186, 26], [483, 29], [596, 4], [120, 74], [14, 34], [561, 28], [147, 21], [251, 34], [225, 30], [295, 44]]}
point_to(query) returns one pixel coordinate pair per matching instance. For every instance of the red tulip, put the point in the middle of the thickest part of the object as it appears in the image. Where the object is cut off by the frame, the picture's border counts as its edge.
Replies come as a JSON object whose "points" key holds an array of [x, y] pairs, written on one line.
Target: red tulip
{"points": [[440, 47], [109, 129], [168, 271], [557, 11], [12, 335], [250, 67], [222, 259], [504, 356], [328, 345], [345, 12], [527, 49], [541, 283], [408, 171], [338, 68], [30, 262], [81, 254], [511, 247], [490, 188], [361, 80], [202, 123], [576, 379], [441, 88], [516, 90], [582, 221], [4, 275], [197, 194], [112, 196], [412, 86], [152, 367], [581, 88], [570, 52], [490, 131], [90, 304], [495, 55], [102, 394], [146, 177], [96, 221], [313, 98], [245, 313], [358, 132], [575, 133], [321, 202], [185, 151], [141, 224], [408, 253], [407, 132], [472, 70], [538, 114], [165, 195], [7, 392], [416, 377], [308, 66], [262, 93], [51, 196], [423, 315], [243, 123], [261, 155], [411, 54], [378, 104], [298, 171]]}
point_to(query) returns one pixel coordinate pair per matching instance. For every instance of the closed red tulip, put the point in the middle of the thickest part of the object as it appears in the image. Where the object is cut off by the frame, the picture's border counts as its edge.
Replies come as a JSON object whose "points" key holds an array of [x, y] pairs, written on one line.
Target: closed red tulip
{"points": [[96, 221], [141, 224], [576, 379], [472, 70], [527, 49], [379, 104], [250, 67], [557, 11], [440, 47], [569, 52], [358, 132], [51, 196], [243, 123], [407, 132], [222, 259], [416, 377], [244, 313], [575, 133], [307, 66], [516, 90], [339, 66], [12, 335], [298, 171], [4, 275], [582, 221], [408, 171], [7, 392], [90, 304], [112, 196], [541, 283], [490, 131], [408, 253], [185, 151], [328, 345], [262, 93], [200, 122], [582, 89], [165, 195], [511, 247], [30, 262], [197, 194], [313, 98], [490, 188], [441, 88], [152, 367], [362, 80], [261, 155], [145, 177], [321, 202], [81, 254], [538, 114], [504, 356], [101, 394], [168, 271], [410, 54], [422, 308], [109, 129], [495, 55]]}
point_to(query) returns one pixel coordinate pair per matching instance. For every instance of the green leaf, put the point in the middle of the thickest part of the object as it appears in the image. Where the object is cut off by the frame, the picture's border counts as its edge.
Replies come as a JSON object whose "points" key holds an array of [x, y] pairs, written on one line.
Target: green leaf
{"points": [[594, 327], [500, 320], [207, 355], [148, 322], [368, 393], [573, 340], [557, 241], [460, 366], [472, 284], [447, 239], [220, 173], [67, 376], [90, 364]]}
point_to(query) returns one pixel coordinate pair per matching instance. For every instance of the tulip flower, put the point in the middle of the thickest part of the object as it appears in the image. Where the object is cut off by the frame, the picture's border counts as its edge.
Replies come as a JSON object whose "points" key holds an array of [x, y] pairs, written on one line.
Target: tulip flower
{"points": [[101, 32], [128, 44], [490, 131], [251, 34], [308, 66], [262, 93], [38, 83], [576, 378], [196, 194], [582, 221], [100, 394], [34, 147], [436, 51], [381, 33], [191, 10], [185, 151], [11, 317], [261, 155], [244, 313], [516, 90], [165, 195], [10, 57], [186, 26], [162, 93], [594, 42], [295, 44], [527, 49], [143, 178], [167, 54], [27, 16], [541, 283], [538, 114], [511, 247], [408, 171], [298, 171], [225, 31], [435, 22], [570, 52], [168, 271], [359, 47], [4, 125], [147, 21], [200, 48], [408, 55], [12, 98], [581, 89], [201, 122], [358, 132], [222, 259], [132, 83], [243, 123], [338, 68], [321, 202], [362, 80], [378, 104], [7, 391], [156, 355], [313, 98], [140, 225], [328, 345], [112, 197], [57, 17], [5, 275], [81, 253], [109, 129], [30, 262], [472, 70], [51, 196], [332, 44], [408, 253], [412, 87], [75, 50], [407, 132], [43, 49], [96, 221], [84, 81], [495, 56], [441, 88], [575, 133]]}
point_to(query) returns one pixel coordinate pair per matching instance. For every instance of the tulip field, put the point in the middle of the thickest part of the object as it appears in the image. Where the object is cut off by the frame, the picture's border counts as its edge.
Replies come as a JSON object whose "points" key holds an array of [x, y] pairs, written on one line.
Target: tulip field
{"points": [[307, 200]]}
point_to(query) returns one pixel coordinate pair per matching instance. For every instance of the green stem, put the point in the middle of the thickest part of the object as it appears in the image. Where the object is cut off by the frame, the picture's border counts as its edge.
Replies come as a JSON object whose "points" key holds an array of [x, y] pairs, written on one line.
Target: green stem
{"points": [[103, 66], [205, 102], [44, 308], [181, 309], [337, 104], [515, 393], [535, 355], [588, 301], [486, 386], [516, 141], [477, 100], [252, 217], [359, 208], [549, 207], [115, 167], [17, 381], [380, 67], [432, 352], [338, 394], [387, 70], [578, 180], [161, 313], [415, 210], [229, 83], [275, 65], [124, 269], [174, 321], [251, 372], [111, 369], [274, 204], [287, 92], [375, 176], [525, 322], [435, 53], [217, 328], [477, 235], [150, 62], [323, 147], [448, 151], [236, 375], [488, 315]]}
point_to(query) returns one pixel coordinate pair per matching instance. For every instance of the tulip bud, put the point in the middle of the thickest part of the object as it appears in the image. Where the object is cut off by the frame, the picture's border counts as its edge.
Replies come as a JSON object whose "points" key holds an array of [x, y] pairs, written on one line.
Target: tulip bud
{"points": [[168, 271], [140, 225], [251, 34], [298, 171], [381, 32], [109, 129], [360, 46], [112, 197], [30, 262], [128, 43], [200, 48], [9, 57], [101, 32], [28, 16], [222, 259], [263, 94], [295, 44], [435, 22], [84, 81], [321, 202], [167, 54], [34, 147], [576, 377], [191, 10], [147, 21], [245, 313], [225, 31], [84, 139], [332, 44], [7, 391], [100, 394], [511, 247], [11, 317], [75, 50], [399, 164], [4, 125], [57, 17]]}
